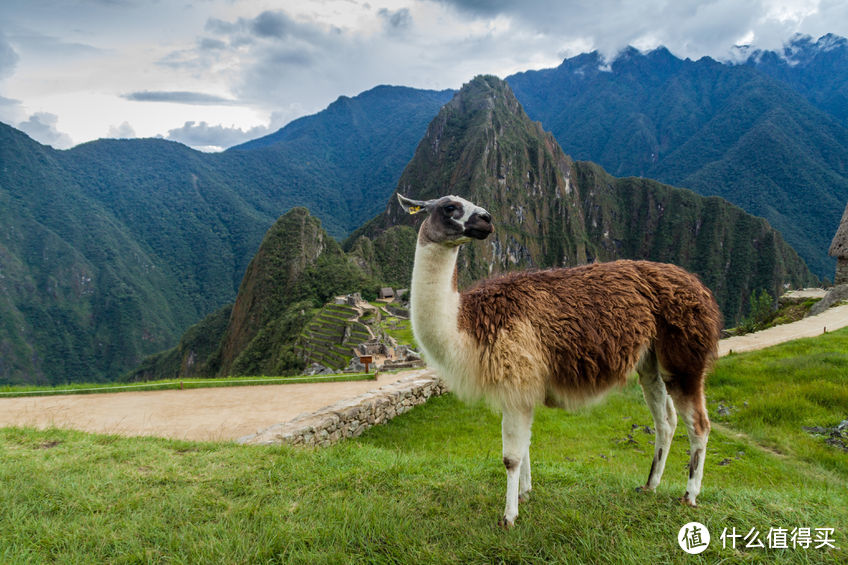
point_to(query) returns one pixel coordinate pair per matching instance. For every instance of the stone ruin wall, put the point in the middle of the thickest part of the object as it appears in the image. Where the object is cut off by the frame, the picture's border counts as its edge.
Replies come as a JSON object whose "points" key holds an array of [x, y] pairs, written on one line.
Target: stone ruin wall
{"points": [[349, 418]]}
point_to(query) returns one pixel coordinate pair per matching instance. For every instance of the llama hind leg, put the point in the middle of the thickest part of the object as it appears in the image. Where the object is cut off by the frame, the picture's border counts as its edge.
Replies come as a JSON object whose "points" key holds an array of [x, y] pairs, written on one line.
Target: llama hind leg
{"points": [[515, 430], [694, 413], [665, 417]]}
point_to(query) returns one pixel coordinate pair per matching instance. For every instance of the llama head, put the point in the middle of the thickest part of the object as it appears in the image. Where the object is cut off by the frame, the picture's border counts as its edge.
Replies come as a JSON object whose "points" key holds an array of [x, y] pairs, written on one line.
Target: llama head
{"points": [[452, 220]]}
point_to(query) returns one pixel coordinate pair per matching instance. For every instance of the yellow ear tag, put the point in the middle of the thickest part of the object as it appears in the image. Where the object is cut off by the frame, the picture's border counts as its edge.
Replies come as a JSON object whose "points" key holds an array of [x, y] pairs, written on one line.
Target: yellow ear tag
{"points": [[414, 209]]}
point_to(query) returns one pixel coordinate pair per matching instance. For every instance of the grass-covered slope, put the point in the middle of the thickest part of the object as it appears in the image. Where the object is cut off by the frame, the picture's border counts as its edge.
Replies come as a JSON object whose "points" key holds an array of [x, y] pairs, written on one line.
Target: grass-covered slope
{"points": [[429, 486]]}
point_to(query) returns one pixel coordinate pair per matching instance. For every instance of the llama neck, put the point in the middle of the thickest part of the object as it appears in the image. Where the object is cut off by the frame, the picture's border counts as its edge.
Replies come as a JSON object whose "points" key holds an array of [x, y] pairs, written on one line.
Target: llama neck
{"points": [[435, 301]]}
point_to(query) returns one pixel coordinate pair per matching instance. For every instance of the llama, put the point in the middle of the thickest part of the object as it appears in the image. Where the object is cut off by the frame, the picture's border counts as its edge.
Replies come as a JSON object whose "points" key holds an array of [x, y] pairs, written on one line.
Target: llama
{"points": [[562, 337]]}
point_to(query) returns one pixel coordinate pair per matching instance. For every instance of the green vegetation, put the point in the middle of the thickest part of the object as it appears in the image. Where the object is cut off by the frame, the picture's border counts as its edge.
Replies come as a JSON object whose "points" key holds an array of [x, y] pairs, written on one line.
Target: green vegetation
{"points": [[398, 328], [771, 395], [96, 388], [330, 337], [428, 487], [764, 314], [297, 269], [762, 311]]}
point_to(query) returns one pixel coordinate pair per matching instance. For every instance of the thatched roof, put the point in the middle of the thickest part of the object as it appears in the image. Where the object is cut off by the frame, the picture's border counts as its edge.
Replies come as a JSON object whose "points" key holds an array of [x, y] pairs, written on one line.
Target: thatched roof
{"points": [[839, 247]]}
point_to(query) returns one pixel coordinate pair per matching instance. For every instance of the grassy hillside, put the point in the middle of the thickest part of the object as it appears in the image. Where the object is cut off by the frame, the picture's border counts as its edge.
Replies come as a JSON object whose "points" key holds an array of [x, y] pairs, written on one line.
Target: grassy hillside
{"points": [[429, 486]]}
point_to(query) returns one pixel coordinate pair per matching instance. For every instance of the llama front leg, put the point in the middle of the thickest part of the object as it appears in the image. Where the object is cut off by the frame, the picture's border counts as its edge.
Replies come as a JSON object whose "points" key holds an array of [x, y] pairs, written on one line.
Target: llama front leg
{"points": [[515, 429]]}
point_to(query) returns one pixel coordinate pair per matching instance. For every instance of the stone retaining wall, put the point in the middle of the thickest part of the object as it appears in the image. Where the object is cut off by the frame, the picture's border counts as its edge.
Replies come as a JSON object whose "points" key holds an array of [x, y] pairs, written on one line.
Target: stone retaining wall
{"points": [[349, 418]]}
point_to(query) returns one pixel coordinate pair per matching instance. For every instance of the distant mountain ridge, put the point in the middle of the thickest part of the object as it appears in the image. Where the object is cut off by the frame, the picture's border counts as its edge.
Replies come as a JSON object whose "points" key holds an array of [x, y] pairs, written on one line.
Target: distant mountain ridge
{"points": [[816, 69], [758, 134]]}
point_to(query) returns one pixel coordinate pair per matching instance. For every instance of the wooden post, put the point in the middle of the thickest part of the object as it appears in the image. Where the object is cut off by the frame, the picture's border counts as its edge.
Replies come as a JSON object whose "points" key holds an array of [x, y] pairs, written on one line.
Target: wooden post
{"points": [[366, 359]]}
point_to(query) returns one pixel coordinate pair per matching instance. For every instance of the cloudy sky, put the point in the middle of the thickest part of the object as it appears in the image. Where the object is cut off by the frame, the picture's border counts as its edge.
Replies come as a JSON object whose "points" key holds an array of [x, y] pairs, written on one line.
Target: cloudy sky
{"points": [[214, 73]]}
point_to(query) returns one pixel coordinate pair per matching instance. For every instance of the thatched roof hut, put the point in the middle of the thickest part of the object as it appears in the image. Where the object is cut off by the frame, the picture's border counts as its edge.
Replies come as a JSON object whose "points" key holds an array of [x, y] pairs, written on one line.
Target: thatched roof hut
{"points": [[839, 249]]}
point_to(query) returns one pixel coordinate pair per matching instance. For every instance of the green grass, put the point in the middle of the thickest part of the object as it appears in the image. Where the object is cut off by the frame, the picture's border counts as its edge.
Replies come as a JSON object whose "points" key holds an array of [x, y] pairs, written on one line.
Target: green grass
{"points": [[429, 487], [397, 328], [171, 384], [807, 385]]}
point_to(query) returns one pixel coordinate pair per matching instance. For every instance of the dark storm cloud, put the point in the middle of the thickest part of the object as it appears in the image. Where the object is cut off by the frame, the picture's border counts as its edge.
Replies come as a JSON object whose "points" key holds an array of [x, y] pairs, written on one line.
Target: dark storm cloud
{"points": [[179, 97], [274, 52], [271, 25], [485, 7]]}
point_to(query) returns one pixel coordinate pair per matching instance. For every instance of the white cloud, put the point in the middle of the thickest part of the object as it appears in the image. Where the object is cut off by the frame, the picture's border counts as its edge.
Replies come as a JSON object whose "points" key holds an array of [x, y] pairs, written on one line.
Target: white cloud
{"points": [[123, 131], [207, 137], [41, 126], [225, 66]]}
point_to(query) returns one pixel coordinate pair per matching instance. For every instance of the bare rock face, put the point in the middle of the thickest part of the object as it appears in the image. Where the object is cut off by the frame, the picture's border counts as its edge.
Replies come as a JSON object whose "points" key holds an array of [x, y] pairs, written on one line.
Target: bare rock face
{"points": [[835, 295]]}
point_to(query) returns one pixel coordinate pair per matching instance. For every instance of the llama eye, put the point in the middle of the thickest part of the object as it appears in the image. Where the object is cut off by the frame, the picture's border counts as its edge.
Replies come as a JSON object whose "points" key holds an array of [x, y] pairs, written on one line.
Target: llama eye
{"points": [[450, 208]]}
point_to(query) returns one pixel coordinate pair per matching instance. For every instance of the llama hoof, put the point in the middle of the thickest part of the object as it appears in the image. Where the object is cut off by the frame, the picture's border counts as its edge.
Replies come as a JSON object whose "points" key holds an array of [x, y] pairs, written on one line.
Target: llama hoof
{"points": [[645, 488], [505, 524], [524, 496], [688, 501]]}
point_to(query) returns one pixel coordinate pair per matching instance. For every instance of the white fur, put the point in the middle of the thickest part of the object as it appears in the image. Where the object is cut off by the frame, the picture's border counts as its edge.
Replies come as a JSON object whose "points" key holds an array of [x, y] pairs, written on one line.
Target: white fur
{"points": [[434, 306]]}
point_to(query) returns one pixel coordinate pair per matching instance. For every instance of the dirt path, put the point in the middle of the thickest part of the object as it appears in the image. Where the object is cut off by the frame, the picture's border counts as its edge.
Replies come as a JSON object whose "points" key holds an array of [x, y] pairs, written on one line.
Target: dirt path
{"points": [[204, 414], [215, 414], [831, 319]]}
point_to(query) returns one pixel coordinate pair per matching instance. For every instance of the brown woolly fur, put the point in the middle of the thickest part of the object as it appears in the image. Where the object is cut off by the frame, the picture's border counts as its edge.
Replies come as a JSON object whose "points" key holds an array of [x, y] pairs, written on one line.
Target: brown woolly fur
{"points": [[592, 324]]}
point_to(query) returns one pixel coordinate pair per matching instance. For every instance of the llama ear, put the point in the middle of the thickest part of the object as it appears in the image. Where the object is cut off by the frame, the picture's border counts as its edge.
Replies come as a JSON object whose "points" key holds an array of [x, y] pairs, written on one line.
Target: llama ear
{"points": [[412, 206]]}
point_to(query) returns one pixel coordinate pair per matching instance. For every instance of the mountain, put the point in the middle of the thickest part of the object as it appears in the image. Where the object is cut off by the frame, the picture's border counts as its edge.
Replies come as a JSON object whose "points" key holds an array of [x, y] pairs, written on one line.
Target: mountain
{"points": [[110, 250], [297, 268], [354, 151], [816, 69], [548, 209], [552, 211], [734, 131]]}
